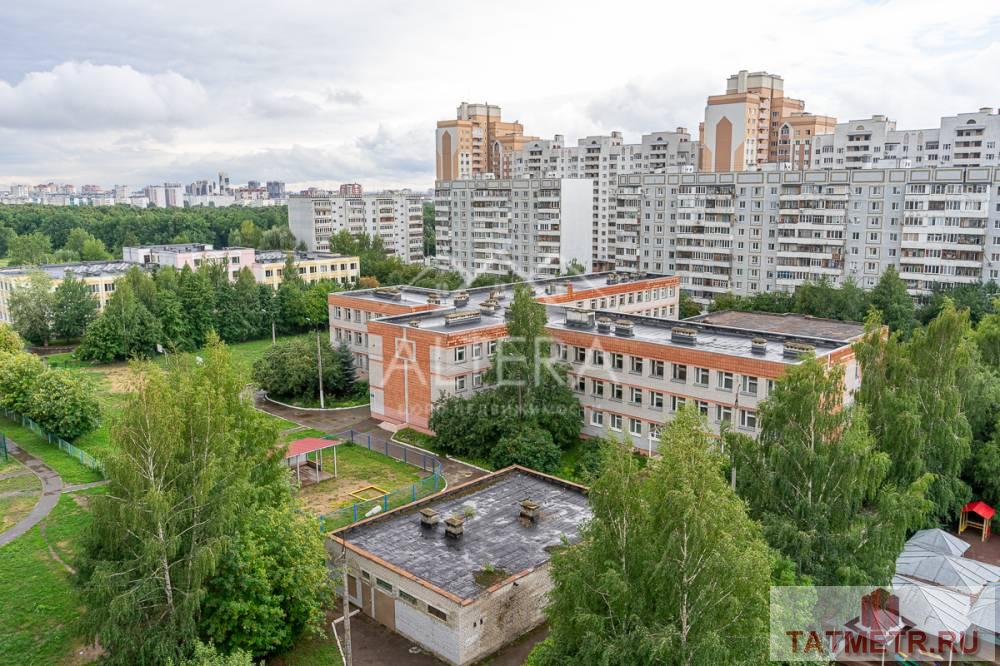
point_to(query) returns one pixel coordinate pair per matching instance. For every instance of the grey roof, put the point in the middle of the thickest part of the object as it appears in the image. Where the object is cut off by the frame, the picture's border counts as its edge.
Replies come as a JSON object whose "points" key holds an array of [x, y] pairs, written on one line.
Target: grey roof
{"points": [[278, 256], [930, 608], [80, 269], [986, 609], [947, 570], [938, 541], [494, 535], [788, 324]]}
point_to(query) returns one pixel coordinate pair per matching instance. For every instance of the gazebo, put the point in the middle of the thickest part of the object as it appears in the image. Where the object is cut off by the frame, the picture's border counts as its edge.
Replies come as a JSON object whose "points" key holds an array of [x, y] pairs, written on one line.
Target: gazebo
{"points": [[978, 508], [306, 456]]}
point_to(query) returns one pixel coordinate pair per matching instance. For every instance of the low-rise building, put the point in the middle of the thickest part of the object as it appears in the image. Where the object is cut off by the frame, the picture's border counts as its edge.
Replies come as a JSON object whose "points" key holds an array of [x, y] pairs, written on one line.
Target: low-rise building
{"points": [[269, 267], [99, 276], [466, 571]]}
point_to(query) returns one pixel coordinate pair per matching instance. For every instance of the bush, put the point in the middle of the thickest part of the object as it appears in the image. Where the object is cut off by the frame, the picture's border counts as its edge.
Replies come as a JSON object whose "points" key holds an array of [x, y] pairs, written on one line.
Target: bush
{"points": [[18, 374], [62, 403], [10, 341], [528, 446], [288, 370]]}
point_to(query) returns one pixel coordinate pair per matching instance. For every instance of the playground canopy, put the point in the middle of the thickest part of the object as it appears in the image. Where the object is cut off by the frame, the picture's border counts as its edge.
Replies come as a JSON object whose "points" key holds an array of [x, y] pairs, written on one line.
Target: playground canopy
{"points": [[981, 509], [298, 456]]}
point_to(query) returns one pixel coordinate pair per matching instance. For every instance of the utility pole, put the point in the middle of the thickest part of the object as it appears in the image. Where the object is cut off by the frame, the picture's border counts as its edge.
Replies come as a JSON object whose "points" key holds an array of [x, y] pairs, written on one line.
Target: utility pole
{"points": [[274, 336], [348, 657], [319, 360]]}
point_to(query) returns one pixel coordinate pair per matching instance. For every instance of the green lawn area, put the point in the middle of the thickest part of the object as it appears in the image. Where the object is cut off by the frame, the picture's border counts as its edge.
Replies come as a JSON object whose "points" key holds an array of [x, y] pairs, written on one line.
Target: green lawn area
{"points": [[15, 507], [65, 465], [318, 651], [41, 607]]}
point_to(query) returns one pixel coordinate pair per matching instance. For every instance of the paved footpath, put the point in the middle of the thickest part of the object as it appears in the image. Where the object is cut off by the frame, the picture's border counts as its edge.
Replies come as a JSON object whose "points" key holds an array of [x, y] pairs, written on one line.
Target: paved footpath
{"points": [[52, 486]]}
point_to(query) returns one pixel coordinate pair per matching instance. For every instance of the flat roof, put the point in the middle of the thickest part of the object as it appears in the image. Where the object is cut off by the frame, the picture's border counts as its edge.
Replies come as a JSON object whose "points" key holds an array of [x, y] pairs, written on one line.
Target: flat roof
{"points": [[494, 534], [278, 256], [787, 324], [80, 269], [175, 247]]}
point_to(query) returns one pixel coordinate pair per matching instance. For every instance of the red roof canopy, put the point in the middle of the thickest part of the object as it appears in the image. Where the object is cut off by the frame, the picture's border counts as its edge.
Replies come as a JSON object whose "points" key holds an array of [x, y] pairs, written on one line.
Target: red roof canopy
{"points": [[980, 508], [308, 445]]}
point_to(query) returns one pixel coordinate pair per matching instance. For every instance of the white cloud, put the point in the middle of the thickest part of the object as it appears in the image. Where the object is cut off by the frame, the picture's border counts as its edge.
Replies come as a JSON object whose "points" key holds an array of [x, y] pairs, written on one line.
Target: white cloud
{"points": [[81, 95]]}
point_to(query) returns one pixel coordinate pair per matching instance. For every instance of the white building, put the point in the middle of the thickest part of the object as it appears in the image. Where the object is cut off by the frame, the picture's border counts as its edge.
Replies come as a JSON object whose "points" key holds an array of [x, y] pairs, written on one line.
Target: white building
{"points": [[965, 140], [534, 227], [394, 216]]}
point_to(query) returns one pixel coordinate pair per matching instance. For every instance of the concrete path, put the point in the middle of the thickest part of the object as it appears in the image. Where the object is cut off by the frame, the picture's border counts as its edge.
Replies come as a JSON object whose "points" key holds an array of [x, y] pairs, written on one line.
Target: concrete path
{"points": [[52, 486], [84, 486]]}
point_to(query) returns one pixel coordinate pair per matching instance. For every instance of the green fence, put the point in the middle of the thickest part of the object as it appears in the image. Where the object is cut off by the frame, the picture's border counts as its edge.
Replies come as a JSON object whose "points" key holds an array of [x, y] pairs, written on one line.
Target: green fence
{"points": [[391, 500], [81, 455]]}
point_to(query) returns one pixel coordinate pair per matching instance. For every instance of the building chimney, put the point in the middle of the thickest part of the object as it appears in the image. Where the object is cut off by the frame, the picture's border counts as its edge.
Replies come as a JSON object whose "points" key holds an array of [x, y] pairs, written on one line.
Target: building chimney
{"points": [[530, 509], [428, 518], [454, 526]]}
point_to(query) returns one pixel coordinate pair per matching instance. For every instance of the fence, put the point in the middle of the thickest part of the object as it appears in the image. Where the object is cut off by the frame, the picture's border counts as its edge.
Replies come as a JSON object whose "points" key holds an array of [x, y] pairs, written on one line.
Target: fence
{"points": [[395, 498], [81, 455]]}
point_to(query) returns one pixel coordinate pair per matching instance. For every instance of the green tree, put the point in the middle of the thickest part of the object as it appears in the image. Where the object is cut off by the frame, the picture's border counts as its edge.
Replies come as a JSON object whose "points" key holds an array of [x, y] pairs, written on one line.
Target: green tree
{"points": [[85, 246], [63, 403], [124, 330], [890, 298], [198, 303], [288, 370], [206, 654], [429, 236], [670, 570], [29, 249], [73, 308], [687, 307], [348, 373], [529, 446], [987, 338], [19, 372], [193, 468], [819, 485], [31, 306], [10, 341]]}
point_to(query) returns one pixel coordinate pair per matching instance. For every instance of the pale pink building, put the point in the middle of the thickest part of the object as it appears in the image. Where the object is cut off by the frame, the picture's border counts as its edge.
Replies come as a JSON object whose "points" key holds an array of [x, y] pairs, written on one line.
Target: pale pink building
{"points": [[191, 254]]}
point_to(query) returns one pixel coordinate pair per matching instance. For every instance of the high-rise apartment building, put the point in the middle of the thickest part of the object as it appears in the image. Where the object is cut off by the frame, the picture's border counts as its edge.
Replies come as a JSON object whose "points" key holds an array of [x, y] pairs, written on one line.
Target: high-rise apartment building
{"points": [[351, 189], [964, 140], [602, 159], [533, 227], [753, 123], [477, 142], [394, 216], [754, 232]]}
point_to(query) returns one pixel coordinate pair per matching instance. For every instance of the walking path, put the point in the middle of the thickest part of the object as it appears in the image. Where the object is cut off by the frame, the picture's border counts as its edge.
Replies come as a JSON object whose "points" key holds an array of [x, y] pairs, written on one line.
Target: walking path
{"points": [[52, 486]]}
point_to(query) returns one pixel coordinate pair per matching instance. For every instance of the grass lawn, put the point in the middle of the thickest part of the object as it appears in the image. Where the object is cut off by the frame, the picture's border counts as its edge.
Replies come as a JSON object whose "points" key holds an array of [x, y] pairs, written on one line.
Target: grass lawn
{"points": [[65, 465], [39, 621], [318, 651], [15, 507], [357, 468]]}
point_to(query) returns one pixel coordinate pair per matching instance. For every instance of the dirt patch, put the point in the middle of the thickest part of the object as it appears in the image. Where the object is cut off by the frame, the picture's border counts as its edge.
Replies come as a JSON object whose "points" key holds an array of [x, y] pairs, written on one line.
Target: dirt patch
{"points": [[120, 378], [326, 496], [81, 500], [83, 654]]}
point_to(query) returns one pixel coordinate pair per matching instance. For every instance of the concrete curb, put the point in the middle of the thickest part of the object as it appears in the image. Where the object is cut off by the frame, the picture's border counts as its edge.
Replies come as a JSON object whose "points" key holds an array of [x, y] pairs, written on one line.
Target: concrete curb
{"points": [[313, 409]]}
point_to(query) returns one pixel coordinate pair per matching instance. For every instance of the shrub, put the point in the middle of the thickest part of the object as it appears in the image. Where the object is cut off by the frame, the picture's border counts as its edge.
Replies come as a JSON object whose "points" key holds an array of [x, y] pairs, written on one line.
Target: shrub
{"points": [[288, 370], [62, 403], [10, 341], [529, 446], [18, 374]]}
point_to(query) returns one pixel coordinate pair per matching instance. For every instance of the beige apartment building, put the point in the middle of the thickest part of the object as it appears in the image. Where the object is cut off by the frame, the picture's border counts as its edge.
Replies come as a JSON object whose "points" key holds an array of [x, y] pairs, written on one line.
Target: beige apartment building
{"points": [[269, 267], [477, 142], [99, 276], [753, 123]]}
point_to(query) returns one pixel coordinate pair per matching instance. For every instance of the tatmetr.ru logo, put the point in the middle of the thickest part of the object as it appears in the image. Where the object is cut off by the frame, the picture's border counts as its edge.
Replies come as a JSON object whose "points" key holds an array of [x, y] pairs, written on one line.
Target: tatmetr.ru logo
{"points": [[909, 621]]}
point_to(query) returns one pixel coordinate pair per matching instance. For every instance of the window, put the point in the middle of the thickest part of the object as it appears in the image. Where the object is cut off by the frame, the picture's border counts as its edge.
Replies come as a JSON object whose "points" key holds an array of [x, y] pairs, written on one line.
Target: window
{"points": [[581, 384], [459, 384], [477, 350], [579, 355], [636, 396], [656, 369], [748, 419], [617, 361], [616, 392], [437, 612], [656, 400], [385, 585], [598, 388], [616, 422], [635, 427], [597, 418], [459, 354], [726, 381], [702, 407], [367, 577], [701, 376], [677, 403], [491, 347], [598, 357], [637, 364], [407, 597], [749, 385], [680, 373], [477, 380], [654, 431], [723, 414]]}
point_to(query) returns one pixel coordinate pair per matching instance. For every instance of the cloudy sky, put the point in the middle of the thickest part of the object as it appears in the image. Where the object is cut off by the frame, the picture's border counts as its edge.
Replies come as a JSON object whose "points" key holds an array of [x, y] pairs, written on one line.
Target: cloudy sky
{"points": [[323, 92]]}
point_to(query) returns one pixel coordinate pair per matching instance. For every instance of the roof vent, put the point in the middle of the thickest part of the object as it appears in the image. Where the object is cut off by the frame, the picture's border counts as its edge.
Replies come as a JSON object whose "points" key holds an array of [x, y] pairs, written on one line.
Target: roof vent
{"points": [[415, 323], [428, 518], [461, 299], [550, 288], [684, 335], [612, 279], [623, 327], [488, 307], [604, 324], [796, 349], [434, 299], [530, 509], [579, 317], [389, 293], [454, 526], [758, 345], [497, 294], [456, 318]]}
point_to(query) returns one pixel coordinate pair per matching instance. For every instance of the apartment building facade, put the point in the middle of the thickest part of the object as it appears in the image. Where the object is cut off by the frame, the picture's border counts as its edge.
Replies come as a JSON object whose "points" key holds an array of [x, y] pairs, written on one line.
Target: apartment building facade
{"points": [[631, 363], [602, 159], [478, 141], [394, 216], [753, 123], [532, 227], [269, 267], [99, 276], [753, 232], [963, 140]]}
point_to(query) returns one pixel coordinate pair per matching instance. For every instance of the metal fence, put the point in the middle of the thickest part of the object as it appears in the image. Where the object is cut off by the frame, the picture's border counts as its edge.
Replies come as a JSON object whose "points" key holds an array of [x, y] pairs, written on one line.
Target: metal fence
{"points": [[81, 455], [393, 499]]}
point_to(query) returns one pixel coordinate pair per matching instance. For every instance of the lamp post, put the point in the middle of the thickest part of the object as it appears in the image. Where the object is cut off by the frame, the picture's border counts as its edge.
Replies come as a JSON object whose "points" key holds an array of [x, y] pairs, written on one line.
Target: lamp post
{"points": [[319, 363]]}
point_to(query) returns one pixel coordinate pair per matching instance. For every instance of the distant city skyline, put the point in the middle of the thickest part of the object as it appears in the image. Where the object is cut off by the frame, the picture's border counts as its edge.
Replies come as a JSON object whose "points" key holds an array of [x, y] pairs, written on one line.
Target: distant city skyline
{"points": [[317, 97]]}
